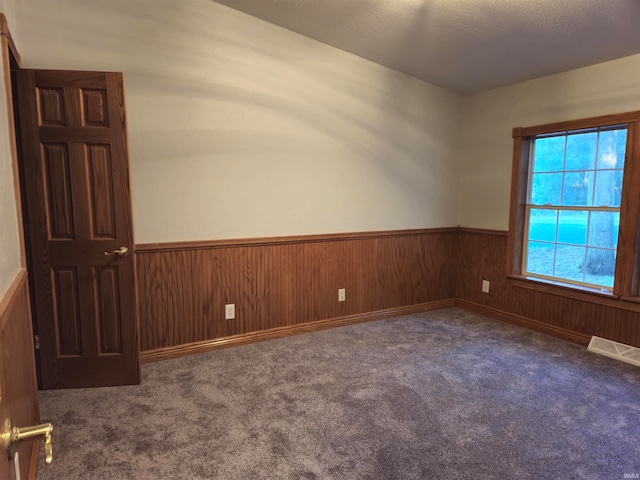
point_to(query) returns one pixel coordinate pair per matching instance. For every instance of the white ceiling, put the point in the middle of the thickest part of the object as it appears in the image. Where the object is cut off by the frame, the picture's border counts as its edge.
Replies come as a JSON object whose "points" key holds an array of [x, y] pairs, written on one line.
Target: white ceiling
{"points": [[466, 46]]}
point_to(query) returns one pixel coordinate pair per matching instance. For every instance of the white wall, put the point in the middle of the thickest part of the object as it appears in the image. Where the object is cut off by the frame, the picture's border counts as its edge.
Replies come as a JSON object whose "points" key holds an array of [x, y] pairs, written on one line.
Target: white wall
{"points": [[8, 8], [239, 128], [486, 152], [9, 237]]}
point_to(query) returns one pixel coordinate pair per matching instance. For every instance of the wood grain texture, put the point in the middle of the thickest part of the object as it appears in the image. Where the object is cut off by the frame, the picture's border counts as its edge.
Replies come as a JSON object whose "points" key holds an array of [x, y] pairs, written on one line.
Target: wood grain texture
{"points": [[519, 181], [183, 292], [561, 312], [102, 202], [66, 305], [521, 321], [55, 159], [271, 241], [95, 108], [85, 301], [51, 107], [591, 122], [482, 231], [159, 354], [628, 259], [18, 389]]}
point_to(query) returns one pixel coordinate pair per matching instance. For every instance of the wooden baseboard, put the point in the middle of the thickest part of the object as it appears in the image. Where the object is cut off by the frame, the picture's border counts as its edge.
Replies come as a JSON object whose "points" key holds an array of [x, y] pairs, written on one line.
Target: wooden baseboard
{"points": [[520, 321], [166, 353]]}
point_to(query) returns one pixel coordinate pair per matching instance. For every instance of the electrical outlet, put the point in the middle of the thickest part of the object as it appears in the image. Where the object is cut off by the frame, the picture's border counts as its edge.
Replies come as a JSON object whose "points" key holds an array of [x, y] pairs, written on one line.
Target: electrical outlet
{"points": [[485, 286], [341, 295], [230, 311]]}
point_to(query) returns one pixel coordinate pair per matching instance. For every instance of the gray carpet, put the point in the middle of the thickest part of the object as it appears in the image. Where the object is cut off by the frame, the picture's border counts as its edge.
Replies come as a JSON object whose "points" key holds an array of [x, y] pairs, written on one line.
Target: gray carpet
{"points": [[440, 395]]}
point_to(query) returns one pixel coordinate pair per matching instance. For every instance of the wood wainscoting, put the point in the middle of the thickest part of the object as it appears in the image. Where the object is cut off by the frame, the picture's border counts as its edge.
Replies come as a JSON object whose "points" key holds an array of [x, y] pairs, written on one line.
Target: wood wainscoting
{"points": [[283, 286], [18, 386], [564, 313]]}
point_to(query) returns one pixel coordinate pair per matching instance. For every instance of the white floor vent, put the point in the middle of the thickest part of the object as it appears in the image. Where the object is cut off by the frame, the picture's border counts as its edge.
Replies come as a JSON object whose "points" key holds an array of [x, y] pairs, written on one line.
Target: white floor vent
{"points": [[612, 349]]}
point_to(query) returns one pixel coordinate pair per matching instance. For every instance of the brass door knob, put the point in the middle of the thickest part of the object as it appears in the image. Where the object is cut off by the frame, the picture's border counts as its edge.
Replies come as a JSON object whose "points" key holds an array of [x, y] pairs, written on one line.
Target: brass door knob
{"points": [[121, 252], [11, 436]]}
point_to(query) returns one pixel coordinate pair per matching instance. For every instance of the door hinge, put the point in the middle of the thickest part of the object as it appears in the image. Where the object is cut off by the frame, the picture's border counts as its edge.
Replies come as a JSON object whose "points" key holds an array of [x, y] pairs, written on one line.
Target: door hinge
{"points": [[36, 341]]}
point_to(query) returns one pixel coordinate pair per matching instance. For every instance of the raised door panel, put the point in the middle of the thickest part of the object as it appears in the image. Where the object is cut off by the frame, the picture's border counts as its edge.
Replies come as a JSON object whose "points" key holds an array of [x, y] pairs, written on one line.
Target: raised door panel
{"points": [[108, 310], [103, 221], [75, 143], [51, 107], [57, 185], [95, 112], [66, 312]]}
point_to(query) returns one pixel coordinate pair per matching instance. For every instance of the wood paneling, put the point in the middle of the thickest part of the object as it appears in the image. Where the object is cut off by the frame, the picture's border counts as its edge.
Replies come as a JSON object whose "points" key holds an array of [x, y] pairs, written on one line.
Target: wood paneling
{"points": [[271, 241], [290, 286], [524, 322], [150, 356], [575, 316], [18, 390], [286, 282]]}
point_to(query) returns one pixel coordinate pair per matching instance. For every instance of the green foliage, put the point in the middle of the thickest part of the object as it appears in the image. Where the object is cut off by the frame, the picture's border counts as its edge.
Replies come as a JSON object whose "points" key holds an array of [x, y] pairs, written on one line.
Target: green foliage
{"points": [[577, 169]]}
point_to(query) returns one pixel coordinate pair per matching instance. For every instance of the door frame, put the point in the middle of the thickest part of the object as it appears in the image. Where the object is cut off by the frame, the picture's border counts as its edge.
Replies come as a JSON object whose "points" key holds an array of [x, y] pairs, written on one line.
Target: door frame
{"points": [[15, 63], [12, 61]]}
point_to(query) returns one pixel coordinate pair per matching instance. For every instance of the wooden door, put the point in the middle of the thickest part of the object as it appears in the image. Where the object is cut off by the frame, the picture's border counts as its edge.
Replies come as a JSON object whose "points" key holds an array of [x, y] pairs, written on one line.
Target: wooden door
{"points": [[7, 467], [76, 186], [18, 392]]}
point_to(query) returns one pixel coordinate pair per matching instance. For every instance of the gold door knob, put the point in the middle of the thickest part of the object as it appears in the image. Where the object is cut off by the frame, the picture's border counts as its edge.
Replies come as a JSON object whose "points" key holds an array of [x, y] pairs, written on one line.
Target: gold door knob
{"points": [[121, 252], [11, 436]]}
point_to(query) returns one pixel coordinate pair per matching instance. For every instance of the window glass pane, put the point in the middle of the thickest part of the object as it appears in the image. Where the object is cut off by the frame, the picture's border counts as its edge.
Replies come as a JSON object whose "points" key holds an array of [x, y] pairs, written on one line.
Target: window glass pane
{"points": [[611, 148], [548, 154], [603, 229], [577, 188], [581, 151], [540, 258], [601, 264], [574, 177], [608, 188], [542, 225], [546, 188], [572, 227], [569, 263]]}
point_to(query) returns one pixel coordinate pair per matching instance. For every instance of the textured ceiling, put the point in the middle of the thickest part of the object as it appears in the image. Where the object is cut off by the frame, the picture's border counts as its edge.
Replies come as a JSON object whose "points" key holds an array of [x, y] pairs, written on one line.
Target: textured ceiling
{"points": [[466, 46]]}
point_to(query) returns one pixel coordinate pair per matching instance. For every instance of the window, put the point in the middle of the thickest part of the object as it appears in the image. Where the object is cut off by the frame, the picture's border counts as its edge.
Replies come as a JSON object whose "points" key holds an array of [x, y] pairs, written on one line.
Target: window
{"points": [[576, 202], [573, 205]]}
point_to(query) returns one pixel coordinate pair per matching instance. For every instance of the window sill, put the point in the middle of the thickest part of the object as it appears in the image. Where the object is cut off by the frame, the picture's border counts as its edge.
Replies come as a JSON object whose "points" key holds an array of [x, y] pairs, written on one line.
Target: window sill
{"points": [[576, 292], [631, 299]]}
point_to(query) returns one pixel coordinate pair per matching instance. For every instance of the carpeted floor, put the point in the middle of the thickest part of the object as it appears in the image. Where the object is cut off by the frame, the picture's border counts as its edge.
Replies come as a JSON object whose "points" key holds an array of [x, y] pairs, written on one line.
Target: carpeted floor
{"points": [[440, 395]]}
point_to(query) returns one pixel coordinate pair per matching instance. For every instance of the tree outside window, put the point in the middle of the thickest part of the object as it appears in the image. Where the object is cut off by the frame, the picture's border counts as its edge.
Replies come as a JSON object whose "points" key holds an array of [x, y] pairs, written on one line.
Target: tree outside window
{"points": [[576, 203]]}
